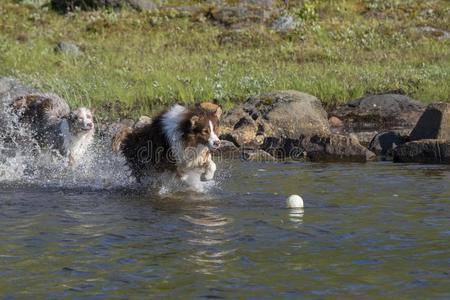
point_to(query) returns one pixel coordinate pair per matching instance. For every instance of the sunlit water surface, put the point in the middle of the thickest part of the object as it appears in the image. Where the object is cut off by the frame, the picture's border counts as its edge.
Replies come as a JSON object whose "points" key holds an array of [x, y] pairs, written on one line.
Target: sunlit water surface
{"points": [[378, 230], [375, 230]]}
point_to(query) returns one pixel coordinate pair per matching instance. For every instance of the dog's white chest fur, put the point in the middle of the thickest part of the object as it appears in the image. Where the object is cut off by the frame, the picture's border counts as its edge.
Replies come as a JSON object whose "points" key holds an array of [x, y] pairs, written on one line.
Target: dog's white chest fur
{"points": [[186, 158], [196, 157], [75, 145]]}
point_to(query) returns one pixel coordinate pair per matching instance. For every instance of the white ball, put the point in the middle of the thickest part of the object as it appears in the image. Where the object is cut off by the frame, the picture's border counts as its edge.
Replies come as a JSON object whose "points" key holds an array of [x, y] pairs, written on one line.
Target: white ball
{"points": [[294, 201]]}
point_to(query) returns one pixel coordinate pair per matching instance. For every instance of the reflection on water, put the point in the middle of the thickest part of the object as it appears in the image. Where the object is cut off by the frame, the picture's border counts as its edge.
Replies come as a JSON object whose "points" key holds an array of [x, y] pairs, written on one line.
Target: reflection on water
{"points": [[296, 215], [210, 239], [367, 231]]}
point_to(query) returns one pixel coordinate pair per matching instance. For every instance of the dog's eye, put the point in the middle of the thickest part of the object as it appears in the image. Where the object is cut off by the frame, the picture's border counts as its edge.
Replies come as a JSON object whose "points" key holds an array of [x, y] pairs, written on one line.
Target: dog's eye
{"points": [[205, 131]]}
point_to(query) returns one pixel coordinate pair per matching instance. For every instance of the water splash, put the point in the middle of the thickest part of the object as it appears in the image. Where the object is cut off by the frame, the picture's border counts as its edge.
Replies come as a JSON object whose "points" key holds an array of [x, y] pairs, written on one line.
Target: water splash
{"points": [[22, 161], [168, 183]]}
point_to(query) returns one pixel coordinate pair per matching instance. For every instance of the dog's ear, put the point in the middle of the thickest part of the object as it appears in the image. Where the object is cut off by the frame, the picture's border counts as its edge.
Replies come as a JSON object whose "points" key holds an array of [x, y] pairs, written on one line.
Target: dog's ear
{"points": [[194, 120], [211, 107]]}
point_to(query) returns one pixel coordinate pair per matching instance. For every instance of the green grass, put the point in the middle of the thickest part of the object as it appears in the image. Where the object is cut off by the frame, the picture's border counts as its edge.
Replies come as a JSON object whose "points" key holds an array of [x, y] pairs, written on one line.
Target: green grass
{"points": [[136, 62]]}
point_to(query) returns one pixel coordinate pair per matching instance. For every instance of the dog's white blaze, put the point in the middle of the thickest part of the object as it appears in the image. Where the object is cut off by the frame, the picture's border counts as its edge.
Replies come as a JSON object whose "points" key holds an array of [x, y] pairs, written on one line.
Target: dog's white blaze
{"points": [[213, 137], [75, 143], [171, 121], [83, 113]]}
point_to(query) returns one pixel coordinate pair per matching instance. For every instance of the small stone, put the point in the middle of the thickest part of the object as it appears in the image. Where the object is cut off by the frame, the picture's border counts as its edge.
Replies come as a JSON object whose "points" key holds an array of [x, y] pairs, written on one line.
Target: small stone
{"points": [[285, 24], [142, 4], [335, 122], [68, 48]]}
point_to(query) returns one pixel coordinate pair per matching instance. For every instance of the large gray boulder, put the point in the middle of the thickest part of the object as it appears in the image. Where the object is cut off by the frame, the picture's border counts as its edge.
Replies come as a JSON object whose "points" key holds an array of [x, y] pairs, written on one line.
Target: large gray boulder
{"points": [[434, 123], [288, 114], [283, 114], [337, 148], [290, 124], [424, 151], [243, 133], [379, 113]]}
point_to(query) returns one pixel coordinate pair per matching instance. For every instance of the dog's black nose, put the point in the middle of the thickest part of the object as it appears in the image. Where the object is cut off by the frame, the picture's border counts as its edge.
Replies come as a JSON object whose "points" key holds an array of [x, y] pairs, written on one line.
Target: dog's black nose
{"points": [[216, 144]]}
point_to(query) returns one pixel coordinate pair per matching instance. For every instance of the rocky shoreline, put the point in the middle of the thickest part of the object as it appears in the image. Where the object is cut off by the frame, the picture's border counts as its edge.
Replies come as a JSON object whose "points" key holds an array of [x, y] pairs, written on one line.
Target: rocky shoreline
{"points": [[294, 125]]}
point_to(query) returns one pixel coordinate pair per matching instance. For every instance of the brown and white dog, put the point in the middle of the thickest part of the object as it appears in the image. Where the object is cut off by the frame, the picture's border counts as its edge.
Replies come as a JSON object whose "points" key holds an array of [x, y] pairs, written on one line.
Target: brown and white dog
{"points": [[178, 140], [55, 126]]}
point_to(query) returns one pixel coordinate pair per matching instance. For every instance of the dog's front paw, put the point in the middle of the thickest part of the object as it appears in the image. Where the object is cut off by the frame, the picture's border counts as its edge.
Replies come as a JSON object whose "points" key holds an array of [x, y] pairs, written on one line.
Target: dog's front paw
{"points": [[209, 172], [207, 176]]}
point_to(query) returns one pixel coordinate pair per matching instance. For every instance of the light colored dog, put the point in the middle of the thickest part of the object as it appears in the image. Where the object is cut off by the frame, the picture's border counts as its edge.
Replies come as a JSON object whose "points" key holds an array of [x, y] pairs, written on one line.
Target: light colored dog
{"points": [[55, 126]]}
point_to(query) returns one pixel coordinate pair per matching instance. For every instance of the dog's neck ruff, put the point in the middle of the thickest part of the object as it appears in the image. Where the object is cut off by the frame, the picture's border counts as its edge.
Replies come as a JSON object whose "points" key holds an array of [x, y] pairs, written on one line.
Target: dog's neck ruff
{"points": [[75, 143], [171, 121]]}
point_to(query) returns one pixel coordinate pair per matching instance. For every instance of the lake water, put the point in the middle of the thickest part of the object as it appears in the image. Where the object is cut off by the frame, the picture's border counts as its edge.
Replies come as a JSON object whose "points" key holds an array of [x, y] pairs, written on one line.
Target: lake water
{"points": [[368, 231]]}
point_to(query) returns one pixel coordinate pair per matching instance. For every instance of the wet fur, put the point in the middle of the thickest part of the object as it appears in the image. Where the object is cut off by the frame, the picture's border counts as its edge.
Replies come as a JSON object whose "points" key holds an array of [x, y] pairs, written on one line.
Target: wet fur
{"points": [[177, 140], [55, 126]]}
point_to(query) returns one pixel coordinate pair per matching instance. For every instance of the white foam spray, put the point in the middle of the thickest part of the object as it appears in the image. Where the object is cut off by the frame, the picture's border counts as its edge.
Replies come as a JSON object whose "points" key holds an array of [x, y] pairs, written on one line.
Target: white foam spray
{"points": [[22, 161]]}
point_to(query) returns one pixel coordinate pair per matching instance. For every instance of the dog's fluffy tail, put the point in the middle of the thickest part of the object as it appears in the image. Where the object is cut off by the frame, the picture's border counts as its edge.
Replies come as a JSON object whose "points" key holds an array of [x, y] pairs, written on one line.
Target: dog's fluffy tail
{"points": [[119, 137]]}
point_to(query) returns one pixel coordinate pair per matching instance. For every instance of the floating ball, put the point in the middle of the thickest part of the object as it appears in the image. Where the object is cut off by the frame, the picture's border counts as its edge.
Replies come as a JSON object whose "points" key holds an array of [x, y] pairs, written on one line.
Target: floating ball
{"points": [[294, 201]]}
